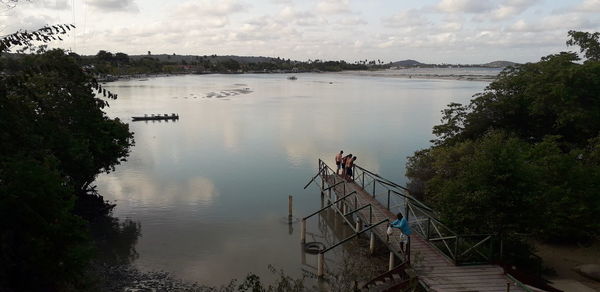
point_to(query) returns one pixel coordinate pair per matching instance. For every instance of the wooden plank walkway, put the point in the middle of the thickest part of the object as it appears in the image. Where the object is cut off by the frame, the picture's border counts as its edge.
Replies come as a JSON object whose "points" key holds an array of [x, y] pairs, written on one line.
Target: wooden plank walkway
{"points": [[434, 270]]}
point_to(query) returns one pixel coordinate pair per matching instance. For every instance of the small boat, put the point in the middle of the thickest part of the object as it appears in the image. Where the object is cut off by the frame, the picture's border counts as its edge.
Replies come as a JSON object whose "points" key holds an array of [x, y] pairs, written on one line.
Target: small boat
{"points": [[154, 117], [292, 78]]}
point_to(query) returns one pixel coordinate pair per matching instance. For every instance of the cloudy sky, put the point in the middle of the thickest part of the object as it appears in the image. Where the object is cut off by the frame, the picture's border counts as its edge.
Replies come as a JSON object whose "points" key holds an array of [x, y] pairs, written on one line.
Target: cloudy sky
{"points": [[433, 31]]}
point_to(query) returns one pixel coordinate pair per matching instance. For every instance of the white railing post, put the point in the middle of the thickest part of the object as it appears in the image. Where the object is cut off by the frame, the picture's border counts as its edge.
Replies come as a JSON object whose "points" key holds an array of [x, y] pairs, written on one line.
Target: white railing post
{"points": [[372, 243], [321, 265], [303, 231]]}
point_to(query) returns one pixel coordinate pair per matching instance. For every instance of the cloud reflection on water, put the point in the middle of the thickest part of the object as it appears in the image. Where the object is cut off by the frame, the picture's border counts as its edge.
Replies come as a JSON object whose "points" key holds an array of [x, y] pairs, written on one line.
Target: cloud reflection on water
{"points": [[145, 190], [209, 190]]}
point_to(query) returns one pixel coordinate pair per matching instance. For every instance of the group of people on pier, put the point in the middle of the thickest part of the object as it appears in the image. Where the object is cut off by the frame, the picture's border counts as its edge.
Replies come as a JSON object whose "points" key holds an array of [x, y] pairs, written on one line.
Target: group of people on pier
{"points": [[346, 164]]}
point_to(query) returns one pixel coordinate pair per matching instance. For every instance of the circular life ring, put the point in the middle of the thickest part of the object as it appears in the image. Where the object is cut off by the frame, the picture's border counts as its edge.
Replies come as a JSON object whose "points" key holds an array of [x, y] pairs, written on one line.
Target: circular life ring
{"points": [[314, 247]]}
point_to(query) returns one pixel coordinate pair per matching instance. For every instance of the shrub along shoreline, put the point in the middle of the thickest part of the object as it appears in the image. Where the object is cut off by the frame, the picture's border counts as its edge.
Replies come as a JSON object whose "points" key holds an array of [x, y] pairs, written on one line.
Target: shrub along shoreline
{"points": [[522, 159]]}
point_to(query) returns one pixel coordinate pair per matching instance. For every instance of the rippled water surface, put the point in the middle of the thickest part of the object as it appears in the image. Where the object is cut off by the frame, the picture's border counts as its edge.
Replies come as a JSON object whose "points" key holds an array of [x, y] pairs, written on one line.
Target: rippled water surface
{"points": [[210, 191]]}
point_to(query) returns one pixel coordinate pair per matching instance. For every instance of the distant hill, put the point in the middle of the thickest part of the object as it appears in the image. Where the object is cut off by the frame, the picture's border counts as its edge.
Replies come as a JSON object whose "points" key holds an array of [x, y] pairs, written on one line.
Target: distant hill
{"points": [[406, 63], [413, 63], [499, 64]]}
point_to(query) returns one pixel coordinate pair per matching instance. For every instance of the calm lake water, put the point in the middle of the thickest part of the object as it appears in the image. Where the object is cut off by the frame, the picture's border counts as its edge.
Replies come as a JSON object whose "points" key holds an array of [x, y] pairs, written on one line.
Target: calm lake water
{"points": [[210, 191]]}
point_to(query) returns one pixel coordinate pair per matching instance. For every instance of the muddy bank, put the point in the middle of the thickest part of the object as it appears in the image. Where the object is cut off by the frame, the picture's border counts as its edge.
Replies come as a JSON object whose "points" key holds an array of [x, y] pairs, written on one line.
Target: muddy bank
{"points": [[563, 259]]}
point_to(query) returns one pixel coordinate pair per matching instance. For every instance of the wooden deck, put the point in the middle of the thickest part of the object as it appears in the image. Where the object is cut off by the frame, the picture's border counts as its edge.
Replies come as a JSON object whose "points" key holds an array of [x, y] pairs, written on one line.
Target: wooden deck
{"points": [[434, 270]]}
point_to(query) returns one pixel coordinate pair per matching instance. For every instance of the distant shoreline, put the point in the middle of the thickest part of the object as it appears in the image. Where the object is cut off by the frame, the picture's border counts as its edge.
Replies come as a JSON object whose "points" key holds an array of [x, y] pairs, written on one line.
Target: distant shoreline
{"points": [[392, 74], [376, 73]]}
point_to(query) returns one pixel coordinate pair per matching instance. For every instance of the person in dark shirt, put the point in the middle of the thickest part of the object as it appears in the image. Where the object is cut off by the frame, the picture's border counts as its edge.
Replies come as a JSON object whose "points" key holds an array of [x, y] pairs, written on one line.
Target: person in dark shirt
{"points": [[338, 161], [350, 168], [349, 156]]}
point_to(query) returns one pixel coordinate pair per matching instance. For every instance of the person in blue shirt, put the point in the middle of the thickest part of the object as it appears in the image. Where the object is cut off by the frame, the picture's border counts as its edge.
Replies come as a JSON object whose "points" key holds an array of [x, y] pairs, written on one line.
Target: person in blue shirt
{"points": [[402, 224]]}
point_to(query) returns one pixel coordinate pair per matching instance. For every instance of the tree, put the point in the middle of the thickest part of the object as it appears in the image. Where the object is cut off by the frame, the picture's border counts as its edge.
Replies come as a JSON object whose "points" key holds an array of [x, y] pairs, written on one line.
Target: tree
{"points": [[231, 65], [104, 56], [26, 38], [587, 42], [555, 96], [54, 140], [522, 157], [78, 133], [488, 176], [121, 58], [43, 246]]}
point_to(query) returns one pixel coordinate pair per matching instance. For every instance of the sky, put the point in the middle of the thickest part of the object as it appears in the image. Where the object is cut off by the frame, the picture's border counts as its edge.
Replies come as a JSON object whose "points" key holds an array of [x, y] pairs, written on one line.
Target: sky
{"points": [[430, 31]]}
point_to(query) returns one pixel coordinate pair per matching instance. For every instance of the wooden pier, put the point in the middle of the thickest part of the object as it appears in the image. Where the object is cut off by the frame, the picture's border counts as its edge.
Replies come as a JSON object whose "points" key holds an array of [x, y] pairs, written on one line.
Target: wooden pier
{"points": [[440, 259]]}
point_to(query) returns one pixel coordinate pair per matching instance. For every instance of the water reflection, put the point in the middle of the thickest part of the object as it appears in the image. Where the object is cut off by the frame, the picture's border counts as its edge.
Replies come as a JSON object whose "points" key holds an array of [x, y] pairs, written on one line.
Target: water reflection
{"points": [[211, 189], [152, 190], [115, 240]]}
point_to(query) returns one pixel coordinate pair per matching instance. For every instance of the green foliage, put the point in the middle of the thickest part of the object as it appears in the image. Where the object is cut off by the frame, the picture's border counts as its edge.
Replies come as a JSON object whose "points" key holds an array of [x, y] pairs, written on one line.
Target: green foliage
{"points": [[555, 96], [43, 246], [54, 140], [487, 176], [523, 156], [25, 38], [104, 56], [251, 284], [588, 43], [283, 283], [106, 62], [49, 108]]}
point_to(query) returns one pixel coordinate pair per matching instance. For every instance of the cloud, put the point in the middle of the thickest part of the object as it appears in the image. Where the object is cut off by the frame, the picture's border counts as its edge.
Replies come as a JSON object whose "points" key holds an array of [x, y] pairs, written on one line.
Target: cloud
{"points": [[446, 30], [509, 9], [450, 26], [16, 20], [205, 14], [590, 6], [558, 22], [465, 6], [263, 29], [350, 21], [208, 8], [56, 5], [333, 6], [114, 5], [302, 18], [406, 19]]}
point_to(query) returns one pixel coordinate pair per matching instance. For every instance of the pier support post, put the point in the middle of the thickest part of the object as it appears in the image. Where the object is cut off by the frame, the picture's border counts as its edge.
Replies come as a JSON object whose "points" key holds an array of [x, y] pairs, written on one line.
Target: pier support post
{"points": [[322, 182], [303, 255], [391, 264], [321, 265], [372, 243], [290, 209], [322, 200], [303, 231]]}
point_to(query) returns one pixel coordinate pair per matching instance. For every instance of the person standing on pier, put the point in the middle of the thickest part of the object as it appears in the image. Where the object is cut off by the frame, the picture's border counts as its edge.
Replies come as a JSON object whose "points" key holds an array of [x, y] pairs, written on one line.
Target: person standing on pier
{"points": [[344, 160], [402, 224], [338, 161], [350, 168]]}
